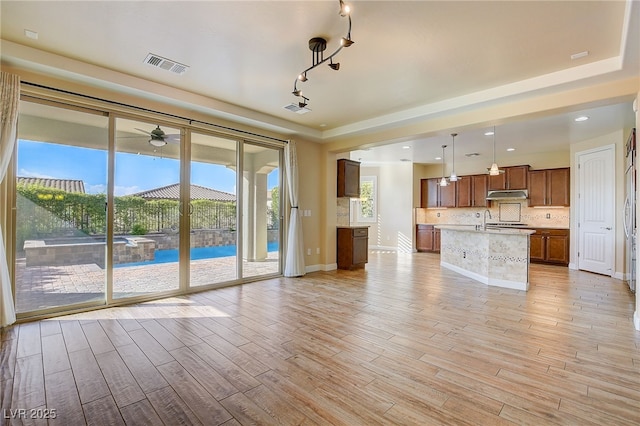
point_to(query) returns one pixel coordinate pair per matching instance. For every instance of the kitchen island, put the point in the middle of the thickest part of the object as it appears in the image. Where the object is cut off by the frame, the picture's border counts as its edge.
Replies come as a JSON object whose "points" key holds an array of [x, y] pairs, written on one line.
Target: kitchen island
{"points": [[497, 257]]}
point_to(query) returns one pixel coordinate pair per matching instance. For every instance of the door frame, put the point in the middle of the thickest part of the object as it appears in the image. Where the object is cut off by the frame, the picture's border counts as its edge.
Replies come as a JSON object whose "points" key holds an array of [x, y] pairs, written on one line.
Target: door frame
{"points": [[575, 245]]}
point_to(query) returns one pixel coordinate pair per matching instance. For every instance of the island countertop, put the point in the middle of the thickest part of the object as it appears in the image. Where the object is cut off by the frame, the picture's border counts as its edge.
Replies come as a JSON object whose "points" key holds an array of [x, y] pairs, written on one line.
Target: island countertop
{"points": [[475, 228]]}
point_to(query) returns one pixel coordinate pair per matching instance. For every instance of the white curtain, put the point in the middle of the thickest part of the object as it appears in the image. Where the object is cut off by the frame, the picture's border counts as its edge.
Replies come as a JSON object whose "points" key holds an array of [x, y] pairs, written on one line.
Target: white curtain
{"points": [[294, 258], [10, 95]]}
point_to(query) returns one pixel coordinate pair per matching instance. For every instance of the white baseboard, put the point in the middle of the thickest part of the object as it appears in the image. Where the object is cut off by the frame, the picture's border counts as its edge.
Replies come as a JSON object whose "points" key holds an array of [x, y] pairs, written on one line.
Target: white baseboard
{"points": [[618, 276], [388, 248], [636, 320], [321, 267], [573, 266]]}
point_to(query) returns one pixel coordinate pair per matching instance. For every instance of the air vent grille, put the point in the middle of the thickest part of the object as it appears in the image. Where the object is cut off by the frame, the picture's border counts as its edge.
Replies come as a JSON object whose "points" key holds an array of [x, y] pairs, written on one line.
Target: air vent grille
{"points": [[297, 109], [166, 64]]}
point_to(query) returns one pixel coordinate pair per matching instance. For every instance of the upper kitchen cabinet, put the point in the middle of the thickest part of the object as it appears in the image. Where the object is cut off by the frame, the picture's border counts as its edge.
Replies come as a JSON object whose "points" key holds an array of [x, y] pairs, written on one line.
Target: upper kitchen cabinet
{"points": [[516, 177], [434, 195], [348, 178], [471, 191], [549, 187]]}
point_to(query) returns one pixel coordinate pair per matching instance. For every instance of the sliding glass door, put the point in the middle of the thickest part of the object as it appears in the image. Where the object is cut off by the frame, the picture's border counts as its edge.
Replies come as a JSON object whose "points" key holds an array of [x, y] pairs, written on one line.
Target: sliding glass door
{"points": [[147, 209], [60, 208], [213, 210], [112, 209], [260, 210]]}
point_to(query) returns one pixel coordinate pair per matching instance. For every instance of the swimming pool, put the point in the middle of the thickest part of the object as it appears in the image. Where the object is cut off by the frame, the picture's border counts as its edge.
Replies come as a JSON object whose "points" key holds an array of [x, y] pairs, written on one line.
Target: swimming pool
{"points": [[197, 253]]}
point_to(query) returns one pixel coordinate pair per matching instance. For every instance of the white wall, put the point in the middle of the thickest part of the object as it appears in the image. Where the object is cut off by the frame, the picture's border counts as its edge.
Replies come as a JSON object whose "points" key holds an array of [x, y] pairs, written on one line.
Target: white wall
{"points": [[394, 228]]}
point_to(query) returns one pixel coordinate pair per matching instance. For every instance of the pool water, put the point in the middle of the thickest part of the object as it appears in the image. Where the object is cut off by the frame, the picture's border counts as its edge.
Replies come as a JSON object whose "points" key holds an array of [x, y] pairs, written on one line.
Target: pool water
{"points": [[197, 253]]}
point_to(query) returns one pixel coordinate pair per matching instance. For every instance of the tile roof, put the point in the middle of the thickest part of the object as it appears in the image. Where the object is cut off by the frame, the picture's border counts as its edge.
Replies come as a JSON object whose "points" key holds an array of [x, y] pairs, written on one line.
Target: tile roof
{"points": [[67, 185], [172, 192]]}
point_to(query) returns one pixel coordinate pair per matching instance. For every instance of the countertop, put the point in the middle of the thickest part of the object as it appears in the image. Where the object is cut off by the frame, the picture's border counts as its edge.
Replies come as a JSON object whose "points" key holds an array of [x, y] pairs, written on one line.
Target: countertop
{"points": [[526, 227], [473, 228]]}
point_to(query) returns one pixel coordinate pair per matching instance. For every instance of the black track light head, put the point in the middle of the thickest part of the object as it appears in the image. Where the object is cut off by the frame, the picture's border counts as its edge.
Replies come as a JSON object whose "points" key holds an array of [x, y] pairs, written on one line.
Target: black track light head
{"points": [[297, 92], [335, 66], [303, 77]]}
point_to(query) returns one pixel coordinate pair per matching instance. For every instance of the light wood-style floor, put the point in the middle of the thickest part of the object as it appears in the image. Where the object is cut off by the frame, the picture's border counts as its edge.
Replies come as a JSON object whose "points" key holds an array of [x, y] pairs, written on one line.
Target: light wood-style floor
{"points": [[402, 342]]}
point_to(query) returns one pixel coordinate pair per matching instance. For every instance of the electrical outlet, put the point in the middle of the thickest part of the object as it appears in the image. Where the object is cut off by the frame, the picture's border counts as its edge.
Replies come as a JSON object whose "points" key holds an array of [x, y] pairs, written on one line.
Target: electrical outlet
{"points": [[438, 214], [464, 254], [318, 250], [548, 215], [308, 252]]}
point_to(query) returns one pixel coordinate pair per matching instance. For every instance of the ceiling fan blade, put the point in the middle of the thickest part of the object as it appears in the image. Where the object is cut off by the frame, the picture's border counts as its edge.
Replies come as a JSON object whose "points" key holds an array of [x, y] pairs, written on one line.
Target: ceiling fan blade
{"points": [[143, 131], [172, 138]]}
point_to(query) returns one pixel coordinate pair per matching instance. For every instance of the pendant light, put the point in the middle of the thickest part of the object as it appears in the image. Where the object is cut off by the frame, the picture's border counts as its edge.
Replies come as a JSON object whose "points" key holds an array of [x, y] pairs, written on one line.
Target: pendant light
{"points": [[494, 170], [443, 181], [453, 177]]}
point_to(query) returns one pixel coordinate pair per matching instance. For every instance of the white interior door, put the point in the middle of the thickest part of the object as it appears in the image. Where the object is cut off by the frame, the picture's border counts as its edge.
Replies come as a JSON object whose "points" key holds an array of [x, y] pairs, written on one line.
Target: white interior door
{"points": [[596, 205]]}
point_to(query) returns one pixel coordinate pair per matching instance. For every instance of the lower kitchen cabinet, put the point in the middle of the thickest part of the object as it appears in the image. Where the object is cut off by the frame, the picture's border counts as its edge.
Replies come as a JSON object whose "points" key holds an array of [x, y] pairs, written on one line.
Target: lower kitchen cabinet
{"points": [[549, 246], [352, 247], [427, 238]]}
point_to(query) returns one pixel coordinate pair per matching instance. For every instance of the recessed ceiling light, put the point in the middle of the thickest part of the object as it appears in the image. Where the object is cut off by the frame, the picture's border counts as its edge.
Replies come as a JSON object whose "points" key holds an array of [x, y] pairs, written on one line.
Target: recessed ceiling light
{"points": [[581, 118], [405, 160], [406, 147], [511, 149], [31, 34], [489, 133], [438, 158], [323, 125]]}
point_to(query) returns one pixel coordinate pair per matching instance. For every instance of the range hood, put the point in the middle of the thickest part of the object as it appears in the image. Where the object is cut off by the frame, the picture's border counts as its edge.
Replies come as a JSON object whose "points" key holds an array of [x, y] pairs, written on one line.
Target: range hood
{"points": [[508, 194]]}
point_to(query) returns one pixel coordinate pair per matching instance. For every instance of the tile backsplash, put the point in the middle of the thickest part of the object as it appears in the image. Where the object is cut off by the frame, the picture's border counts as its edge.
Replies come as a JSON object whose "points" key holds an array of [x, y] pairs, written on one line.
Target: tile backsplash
{"points": [[505, 212]]}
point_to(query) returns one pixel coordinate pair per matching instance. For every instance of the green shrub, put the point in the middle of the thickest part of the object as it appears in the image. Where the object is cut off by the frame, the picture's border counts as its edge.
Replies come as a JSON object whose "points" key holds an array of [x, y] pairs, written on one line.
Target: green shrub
{"points": [[138, 229]]}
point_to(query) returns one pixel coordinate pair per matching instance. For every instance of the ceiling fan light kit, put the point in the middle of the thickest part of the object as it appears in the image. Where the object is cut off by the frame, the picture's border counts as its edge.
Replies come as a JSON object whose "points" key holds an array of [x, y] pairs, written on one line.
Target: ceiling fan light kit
{"points": [[318, 45]]}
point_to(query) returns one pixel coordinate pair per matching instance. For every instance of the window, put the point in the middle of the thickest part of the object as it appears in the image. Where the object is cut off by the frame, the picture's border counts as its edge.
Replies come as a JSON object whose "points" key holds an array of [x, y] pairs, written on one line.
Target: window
{"points": [[366, 205]]}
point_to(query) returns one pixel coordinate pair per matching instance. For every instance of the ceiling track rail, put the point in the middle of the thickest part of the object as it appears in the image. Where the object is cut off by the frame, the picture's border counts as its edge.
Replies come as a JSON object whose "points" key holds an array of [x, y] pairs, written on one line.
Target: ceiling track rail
{"points": [[122, 107]]}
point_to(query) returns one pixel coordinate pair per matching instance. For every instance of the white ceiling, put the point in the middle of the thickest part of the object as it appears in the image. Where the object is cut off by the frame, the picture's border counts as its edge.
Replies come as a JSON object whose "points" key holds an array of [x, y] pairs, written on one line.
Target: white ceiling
{"points": [[411, 61]]}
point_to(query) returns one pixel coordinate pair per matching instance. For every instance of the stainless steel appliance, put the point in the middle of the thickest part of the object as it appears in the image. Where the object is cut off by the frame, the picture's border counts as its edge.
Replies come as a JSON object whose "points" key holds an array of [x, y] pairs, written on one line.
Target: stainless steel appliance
{"points": [[629, 218]]}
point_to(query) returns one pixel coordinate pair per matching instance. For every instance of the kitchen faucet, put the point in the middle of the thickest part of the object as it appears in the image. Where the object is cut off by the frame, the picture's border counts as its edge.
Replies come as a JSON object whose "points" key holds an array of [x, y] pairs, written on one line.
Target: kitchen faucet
{"points": [[484, 219]]}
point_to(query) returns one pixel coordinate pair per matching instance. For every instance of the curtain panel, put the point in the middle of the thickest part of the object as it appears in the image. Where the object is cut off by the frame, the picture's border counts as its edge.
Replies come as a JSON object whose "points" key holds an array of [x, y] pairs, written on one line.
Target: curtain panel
{"points": [[10, 95], [294, 258]]}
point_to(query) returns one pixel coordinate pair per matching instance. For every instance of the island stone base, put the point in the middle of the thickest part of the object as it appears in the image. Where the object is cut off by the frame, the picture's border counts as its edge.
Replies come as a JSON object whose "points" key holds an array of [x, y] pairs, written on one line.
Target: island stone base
{"points": [[496, 257]]}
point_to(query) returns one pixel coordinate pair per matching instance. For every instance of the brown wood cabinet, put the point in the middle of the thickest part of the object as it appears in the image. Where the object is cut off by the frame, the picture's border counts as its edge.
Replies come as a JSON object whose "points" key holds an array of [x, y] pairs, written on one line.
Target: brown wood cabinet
{"points": [[348, 178], [549, 187], [352, 247], [515, 177], [427, 238], [549, 246], [434, 195], [471, 191]]}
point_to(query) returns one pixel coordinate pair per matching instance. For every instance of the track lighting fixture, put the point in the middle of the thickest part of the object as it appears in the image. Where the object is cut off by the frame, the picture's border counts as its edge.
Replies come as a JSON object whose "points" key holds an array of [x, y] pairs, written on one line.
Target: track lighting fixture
{"points": [[318, 45]]}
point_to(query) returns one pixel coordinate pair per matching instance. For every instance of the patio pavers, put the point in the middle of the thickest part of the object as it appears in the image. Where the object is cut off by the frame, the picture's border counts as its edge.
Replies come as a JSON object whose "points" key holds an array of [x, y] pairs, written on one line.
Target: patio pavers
{"points": [[41, 287]]}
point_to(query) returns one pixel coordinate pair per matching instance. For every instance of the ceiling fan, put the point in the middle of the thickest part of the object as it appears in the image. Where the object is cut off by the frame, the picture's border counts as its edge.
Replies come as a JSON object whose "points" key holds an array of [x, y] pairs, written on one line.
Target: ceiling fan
{"points": [[159, 138]]}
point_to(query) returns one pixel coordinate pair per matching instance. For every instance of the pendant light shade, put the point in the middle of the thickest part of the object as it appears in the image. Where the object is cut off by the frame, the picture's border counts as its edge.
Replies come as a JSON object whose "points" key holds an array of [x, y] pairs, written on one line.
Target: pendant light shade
{"points": [[494, 170], [453, 177], [443, 181]]}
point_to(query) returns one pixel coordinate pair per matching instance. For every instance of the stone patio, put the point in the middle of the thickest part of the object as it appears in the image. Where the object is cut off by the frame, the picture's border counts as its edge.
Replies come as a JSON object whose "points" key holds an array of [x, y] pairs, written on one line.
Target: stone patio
{"points": [[42, 287]]}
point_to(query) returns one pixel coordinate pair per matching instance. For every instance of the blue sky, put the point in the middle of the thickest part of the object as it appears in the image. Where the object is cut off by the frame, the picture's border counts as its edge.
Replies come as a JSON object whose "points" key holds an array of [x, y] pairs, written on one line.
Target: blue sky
{"points": [[134, 173]]}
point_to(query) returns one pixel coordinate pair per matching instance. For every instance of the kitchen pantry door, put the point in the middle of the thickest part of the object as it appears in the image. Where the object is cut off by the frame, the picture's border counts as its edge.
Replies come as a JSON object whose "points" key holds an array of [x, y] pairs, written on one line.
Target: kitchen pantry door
{"points": [[596, 210]]}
